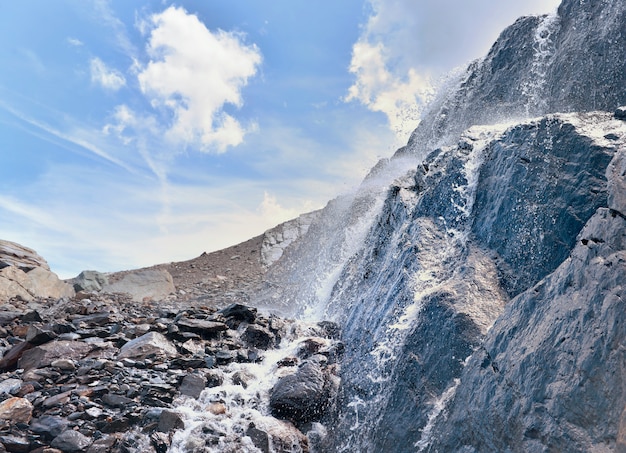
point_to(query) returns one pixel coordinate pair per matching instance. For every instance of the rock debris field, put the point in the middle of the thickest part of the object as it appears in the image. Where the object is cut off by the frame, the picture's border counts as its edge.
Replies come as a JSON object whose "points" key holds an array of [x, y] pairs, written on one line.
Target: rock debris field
{"points": [[195, 370]]}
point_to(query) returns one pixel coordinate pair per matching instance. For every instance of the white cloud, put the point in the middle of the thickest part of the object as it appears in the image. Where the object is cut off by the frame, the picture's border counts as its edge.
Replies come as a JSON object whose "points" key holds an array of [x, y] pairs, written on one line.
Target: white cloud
{"points": [[104, 76], [406, 46], [74, 42], [193, 73]]}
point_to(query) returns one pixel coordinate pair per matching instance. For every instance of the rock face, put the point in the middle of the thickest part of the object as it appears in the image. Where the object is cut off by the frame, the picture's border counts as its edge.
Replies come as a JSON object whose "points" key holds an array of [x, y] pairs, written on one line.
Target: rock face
{"points": [[24, 258], [276, 240], [550, 376]]}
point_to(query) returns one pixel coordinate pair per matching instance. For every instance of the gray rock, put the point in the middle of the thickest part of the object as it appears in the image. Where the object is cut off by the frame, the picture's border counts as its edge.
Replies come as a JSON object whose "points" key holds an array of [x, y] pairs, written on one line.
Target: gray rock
{"points": [[15, 444], [89, 281], [550, 375], [43, 355], [620, 113], [170, 420], [37, 335], [616, 187], [279, 238], [49, 426], [201, 326], [150, 343], [9, 386], [192, 385], [150, 284], [71, 441], [37, 282], [258, 337]]}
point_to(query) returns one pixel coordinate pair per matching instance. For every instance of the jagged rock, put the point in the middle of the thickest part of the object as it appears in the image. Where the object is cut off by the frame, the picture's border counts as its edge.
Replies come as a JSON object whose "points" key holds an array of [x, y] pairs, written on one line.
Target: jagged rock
{"points": [[37, 335], [16, 410], [9, 386], [15, 444], [89, 281], [151, 284], [24, 258], [71, 441], [169, 421], [258, 337], [150, 343], [50, 426], [10, 359], [43, 355], [239, 312], [192, 385], [160, 442]]}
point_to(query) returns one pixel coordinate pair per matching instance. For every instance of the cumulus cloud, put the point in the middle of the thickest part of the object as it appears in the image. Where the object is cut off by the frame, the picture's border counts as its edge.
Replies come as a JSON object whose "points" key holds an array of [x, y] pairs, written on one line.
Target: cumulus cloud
{"points": [[104, 76], [192, 74], [406, 46]]}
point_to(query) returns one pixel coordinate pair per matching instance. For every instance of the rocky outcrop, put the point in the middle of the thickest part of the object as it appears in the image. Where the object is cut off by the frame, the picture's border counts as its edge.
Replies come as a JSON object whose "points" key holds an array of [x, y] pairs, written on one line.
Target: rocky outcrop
{"points": [[276, 240], [25, 274], [24, 258]]}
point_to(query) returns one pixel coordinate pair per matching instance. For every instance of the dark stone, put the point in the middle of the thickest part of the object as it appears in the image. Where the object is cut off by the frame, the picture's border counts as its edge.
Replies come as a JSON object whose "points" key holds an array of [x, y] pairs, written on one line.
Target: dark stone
{"points": [[203, 327], [71, 441], [239, 312], [43, 355], [104, 444], [258, 337], [214, 379], [49, 426], [15, 444], [192, 385], [11, 358], [331, 329], [301, 397], [620, 113], [119, 401], [160, 441], [169, 421], [260, 438], [31, 316], [37, 335], [224, 356]]}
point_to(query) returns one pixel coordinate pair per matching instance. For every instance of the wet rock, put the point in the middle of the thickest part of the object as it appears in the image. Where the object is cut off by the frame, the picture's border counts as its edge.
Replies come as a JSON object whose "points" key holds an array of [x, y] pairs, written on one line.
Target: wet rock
{"points": [[258, 337], [119, 401], [103, 445], [160, 442], [15, 444], [216, 408], [169, 421], [303, 396], [16, 410], [192, 385], [260, 438], [616, 187], [620, 113], [71, 441], [242, 378], [150, 343], [43, 355]]}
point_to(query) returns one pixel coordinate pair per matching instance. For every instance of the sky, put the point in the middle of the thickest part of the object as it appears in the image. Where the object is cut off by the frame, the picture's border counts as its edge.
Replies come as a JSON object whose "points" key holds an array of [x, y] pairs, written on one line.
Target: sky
{"points": [[143, 132]]}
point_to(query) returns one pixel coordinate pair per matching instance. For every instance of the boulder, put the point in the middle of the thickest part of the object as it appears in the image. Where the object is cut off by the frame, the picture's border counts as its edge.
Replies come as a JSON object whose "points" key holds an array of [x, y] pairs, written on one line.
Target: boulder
{"points": [[151, 284], [169, 421], [16, 410], [89, 281], [150, 343], [303, 396], [239, 312], [620, 113], [258, 337]]}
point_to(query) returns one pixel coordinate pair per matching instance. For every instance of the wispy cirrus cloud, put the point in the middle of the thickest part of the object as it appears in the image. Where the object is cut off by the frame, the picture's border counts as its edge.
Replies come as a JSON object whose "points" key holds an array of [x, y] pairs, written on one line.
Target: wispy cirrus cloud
{"points": [[108, 78]]}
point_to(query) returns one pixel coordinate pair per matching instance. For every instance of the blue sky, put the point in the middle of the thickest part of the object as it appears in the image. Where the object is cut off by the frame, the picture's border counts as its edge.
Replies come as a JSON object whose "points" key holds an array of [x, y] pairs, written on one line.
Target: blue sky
{"points": [[134, 133]]}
